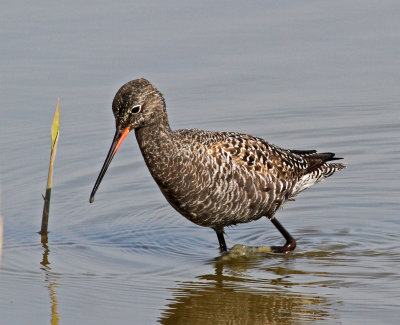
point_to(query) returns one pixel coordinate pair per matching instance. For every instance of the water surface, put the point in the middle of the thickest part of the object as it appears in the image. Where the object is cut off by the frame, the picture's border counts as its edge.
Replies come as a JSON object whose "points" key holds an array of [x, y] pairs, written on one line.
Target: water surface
{"points": [[309, 75]]}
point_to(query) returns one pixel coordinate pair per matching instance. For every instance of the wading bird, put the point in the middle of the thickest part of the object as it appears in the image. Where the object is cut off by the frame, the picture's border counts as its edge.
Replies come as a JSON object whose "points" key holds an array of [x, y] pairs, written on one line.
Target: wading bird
{"points": [[214, 179]]}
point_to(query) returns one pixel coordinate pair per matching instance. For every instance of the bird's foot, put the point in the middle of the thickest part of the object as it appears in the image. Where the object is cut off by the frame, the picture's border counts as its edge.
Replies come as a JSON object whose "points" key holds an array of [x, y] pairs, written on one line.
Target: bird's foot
{"points": [[288, 247]]}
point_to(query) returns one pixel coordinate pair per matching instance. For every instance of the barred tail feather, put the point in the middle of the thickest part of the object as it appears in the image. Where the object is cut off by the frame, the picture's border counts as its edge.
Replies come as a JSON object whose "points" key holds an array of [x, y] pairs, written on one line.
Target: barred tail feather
{"points": [[316, 176], [331, 168]]}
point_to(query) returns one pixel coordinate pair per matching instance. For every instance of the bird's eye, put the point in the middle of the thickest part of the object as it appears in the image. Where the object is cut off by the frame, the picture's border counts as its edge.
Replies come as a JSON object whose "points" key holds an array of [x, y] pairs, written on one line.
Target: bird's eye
{"points": [[136, 109]]}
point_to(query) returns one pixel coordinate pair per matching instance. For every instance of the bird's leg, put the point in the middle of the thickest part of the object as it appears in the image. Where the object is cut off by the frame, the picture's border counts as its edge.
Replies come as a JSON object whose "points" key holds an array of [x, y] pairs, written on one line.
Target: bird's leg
{"points": [[221, 239], [290, 241]]}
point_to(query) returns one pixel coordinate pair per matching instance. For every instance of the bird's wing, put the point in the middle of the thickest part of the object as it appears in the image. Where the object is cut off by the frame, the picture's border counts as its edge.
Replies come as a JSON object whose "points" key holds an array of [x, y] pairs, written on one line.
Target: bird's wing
{"points": [[256, 154]]}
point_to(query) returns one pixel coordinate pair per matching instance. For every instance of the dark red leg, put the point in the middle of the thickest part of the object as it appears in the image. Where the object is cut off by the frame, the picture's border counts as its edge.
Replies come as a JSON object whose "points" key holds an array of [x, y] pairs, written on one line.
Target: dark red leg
{"points": [[221, 239], [290, 241]]}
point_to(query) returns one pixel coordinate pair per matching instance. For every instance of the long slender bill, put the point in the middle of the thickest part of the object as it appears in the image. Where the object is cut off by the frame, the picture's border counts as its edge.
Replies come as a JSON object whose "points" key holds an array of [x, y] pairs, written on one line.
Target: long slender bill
{"points": [[118, 138]]}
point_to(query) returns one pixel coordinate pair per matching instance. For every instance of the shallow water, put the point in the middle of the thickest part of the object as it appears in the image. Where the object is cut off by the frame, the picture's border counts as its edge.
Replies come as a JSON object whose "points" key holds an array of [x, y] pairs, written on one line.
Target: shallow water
{"points": [[304, 76]]}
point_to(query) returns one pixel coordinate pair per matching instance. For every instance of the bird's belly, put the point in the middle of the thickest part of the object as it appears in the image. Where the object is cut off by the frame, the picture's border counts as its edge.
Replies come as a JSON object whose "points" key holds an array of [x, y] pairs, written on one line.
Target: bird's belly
{"points": [[219, 200]]}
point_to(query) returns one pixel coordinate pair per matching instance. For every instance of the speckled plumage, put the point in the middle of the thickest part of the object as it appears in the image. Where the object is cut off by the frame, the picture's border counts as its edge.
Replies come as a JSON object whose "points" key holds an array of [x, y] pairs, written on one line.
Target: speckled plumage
{"points": [[214, 179]]}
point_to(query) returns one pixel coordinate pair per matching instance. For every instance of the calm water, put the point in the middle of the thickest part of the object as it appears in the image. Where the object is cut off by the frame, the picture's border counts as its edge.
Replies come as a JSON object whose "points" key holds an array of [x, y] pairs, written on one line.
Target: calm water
{"points": [[302, 75]]}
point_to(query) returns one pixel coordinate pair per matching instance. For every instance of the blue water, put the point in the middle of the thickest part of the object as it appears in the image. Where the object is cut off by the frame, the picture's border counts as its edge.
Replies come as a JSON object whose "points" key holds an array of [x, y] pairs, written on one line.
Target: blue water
{"points": [[304, 75]]}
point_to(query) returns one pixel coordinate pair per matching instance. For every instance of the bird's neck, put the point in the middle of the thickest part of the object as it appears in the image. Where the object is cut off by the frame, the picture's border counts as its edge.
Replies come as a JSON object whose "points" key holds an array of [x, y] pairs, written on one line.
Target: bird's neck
{"points": [[156, 143], [158, 131]]}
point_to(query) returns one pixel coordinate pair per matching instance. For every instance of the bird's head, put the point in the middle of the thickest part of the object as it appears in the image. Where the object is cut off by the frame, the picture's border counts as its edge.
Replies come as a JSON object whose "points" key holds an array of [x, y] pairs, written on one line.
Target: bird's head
{"points": [[137, 104]]}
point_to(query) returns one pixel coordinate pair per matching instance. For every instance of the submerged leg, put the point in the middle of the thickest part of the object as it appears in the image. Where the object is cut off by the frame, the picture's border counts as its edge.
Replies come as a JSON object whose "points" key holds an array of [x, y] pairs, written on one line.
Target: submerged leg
{"points": [[221, 239], [290, 241]]}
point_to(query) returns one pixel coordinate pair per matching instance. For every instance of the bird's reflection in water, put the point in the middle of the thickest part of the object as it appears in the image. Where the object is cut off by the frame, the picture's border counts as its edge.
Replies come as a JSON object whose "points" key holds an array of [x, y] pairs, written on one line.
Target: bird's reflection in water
{"points": [[51, 280], [229, 297]]}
